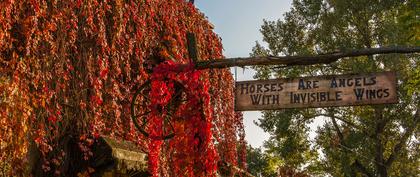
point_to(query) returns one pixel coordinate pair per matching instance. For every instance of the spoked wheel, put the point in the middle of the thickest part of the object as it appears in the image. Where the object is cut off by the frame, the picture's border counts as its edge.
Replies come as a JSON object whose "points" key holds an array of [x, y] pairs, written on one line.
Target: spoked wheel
{"points": [[140, 110]]}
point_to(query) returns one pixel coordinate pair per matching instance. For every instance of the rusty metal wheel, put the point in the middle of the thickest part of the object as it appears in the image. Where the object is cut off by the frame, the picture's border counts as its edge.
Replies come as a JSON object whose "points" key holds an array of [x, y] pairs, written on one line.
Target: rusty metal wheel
{"points": [[140, 110]]}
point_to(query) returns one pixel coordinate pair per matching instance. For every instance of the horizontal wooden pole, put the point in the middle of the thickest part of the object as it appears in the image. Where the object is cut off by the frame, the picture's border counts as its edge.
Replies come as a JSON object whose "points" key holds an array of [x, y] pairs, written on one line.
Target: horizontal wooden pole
{"points": [[301, 60]]}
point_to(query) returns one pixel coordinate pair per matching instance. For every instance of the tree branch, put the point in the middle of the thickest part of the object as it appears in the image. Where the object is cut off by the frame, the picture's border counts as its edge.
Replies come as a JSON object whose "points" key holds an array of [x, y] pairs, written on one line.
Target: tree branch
{"points": [[337, 129], [349, 123], [356, 164], [301, 60], [361, 168]]}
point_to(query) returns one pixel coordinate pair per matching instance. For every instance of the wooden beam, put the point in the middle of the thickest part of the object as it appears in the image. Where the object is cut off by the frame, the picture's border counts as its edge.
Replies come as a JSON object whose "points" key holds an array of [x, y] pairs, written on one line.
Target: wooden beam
{"points": [[301, 60]]}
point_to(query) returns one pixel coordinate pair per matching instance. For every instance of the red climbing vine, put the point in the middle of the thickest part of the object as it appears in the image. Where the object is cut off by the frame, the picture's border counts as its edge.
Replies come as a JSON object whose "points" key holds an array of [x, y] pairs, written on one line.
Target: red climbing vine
{"points": [[69, 69], [192, 146]]}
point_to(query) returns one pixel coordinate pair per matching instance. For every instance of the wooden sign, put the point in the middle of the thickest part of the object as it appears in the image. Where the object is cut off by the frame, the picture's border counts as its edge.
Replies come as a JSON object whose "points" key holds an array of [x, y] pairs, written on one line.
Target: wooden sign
{"points": [[321, 91]]}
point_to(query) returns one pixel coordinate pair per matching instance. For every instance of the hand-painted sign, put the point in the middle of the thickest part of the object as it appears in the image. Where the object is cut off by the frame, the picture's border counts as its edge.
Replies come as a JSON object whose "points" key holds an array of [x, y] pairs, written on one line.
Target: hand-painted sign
{"points": [[320, 91]]}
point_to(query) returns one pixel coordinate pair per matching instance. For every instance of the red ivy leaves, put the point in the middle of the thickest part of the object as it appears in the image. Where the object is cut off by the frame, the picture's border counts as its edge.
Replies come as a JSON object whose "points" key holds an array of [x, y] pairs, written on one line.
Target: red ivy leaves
{"points": [[72, 66], [195, 118], [52, 119], [155, 143]]}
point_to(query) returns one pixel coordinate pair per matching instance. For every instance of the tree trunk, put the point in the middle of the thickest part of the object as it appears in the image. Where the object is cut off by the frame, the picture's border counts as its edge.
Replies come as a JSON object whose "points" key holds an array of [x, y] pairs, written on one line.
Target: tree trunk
{"points": [[348, 169], [381, 169]]}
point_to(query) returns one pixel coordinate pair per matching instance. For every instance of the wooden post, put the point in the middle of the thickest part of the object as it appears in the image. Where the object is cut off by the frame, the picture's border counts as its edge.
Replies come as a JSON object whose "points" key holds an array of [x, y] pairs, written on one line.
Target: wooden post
{"points": [[192, 47]]}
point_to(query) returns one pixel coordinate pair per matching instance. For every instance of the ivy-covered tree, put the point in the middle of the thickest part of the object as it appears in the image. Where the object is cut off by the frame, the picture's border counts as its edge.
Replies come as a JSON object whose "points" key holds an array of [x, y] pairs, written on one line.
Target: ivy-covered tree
{"points": [[377, 140], [70, 69]]}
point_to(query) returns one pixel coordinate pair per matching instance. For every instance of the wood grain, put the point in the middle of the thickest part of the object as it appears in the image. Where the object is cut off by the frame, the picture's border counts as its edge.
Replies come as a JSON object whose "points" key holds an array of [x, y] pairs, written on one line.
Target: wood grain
{"points": [[320, 91], [301, 60]]}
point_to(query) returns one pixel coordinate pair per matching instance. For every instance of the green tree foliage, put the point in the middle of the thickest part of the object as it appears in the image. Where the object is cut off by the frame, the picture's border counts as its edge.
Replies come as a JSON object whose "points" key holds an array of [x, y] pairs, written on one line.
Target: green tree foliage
{"points": [[259, 163], [354, 141]]}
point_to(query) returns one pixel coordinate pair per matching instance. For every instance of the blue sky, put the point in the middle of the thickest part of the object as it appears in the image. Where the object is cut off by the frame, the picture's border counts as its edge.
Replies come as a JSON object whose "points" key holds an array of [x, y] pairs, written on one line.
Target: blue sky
{"points": [[238, 23]]}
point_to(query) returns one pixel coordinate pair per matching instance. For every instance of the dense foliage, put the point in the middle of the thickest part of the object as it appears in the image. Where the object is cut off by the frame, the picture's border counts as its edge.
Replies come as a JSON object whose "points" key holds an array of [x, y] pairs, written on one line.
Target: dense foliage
{"points": [[352, 141], [259, 163], [68, 71]]}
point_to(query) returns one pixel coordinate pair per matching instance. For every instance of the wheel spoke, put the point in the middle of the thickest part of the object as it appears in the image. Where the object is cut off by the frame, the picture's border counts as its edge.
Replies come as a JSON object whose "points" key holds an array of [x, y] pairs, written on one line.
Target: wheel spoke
{"points": [[145, 120], [145, 96], [177, 94], [170, 124], [168, 120]]}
